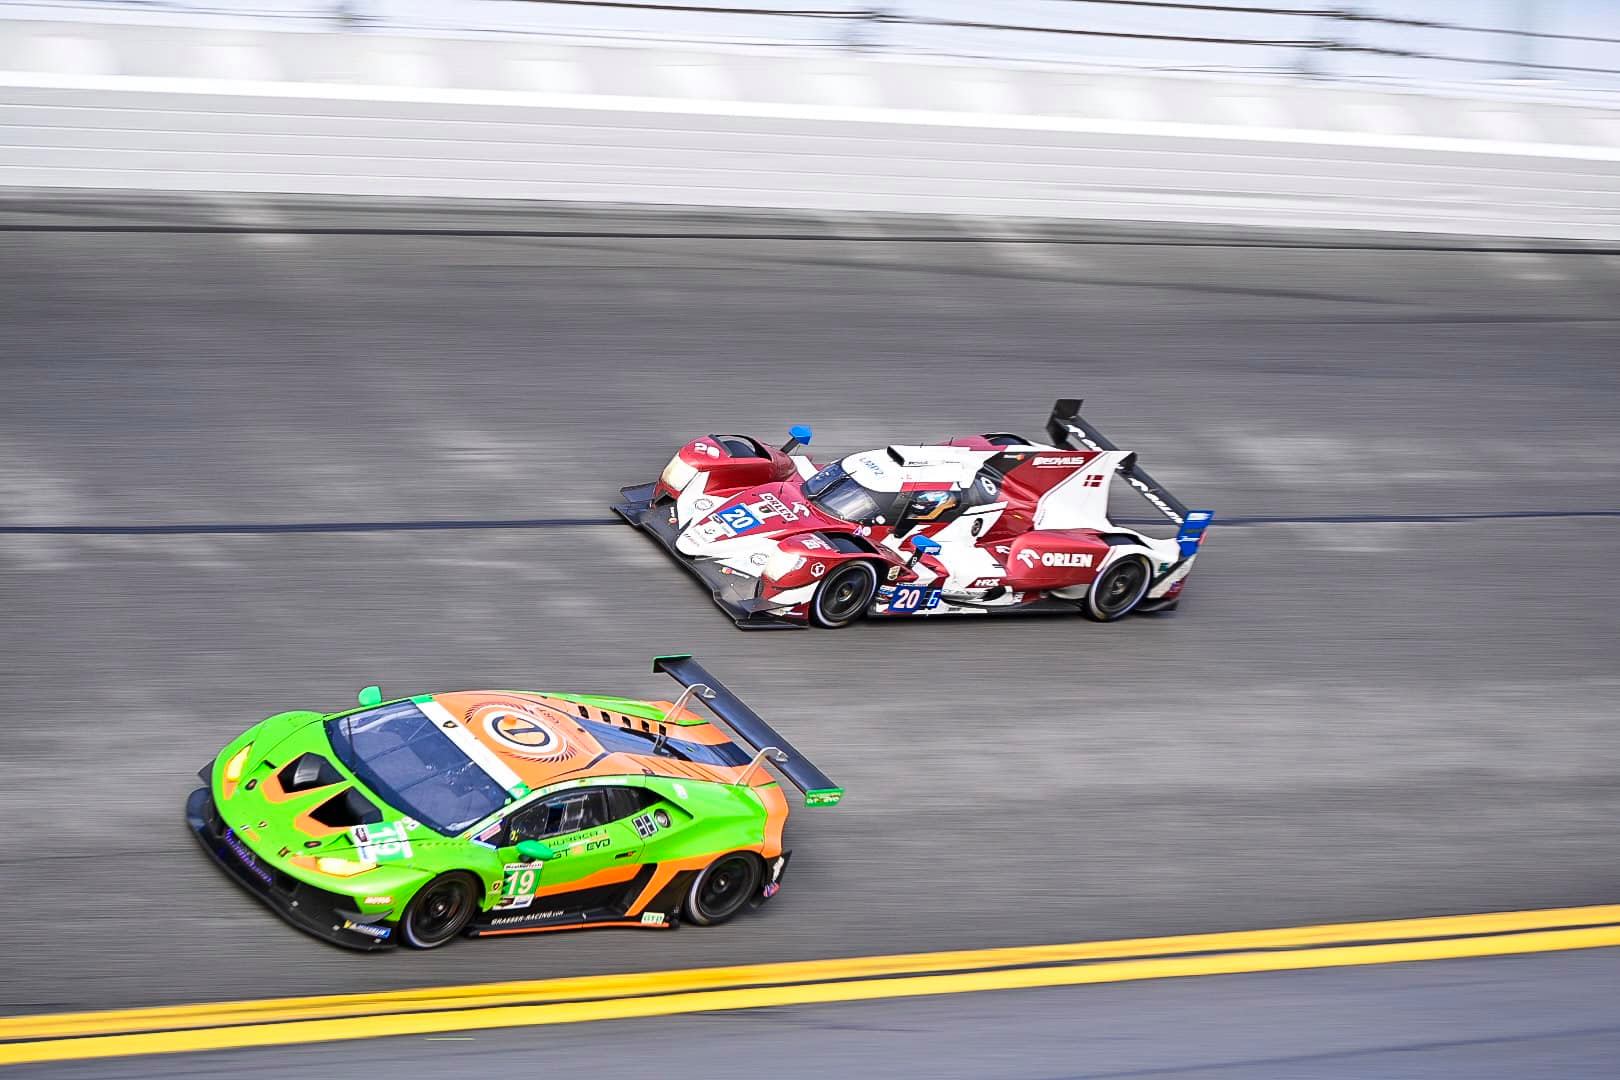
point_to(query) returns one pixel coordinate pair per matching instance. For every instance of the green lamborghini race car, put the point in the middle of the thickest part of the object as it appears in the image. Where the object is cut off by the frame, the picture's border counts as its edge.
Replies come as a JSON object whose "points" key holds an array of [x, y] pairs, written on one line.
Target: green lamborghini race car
{"points": [[481, 813]]}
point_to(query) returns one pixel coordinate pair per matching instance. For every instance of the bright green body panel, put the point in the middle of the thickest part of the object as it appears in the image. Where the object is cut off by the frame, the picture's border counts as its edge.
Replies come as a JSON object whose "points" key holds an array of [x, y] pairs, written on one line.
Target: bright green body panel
{"points": [[704, 819], [272, 831]]}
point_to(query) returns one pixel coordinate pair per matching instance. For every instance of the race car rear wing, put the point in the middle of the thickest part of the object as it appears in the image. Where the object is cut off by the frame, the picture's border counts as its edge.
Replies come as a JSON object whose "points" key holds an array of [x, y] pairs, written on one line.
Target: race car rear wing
{"points": [[751, 728], [1067, 428]]}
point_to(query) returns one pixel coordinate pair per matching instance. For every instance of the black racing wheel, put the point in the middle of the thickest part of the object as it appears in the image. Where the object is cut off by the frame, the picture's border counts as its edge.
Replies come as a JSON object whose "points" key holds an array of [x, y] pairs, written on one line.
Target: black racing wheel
{"points": [[723, 889], [843, 595], [440, 911], [1118, 589]]}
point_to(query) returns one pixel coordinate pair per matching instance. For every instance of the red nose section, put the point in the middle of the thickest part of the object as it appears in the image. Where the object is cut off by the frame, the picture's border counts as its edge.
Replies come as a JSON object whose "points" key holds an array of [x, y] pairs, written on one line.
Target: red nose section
{"points": [[773, 510]]}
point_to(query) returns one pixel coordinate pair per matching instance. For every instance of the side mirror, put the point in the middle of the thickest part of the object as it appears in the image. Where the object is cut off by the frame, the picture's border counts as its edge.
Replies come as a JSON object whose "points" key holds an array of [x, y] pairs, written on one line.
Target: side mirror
{"points": [[534, 851], [798, 435], [371, 695], [923, 545]]}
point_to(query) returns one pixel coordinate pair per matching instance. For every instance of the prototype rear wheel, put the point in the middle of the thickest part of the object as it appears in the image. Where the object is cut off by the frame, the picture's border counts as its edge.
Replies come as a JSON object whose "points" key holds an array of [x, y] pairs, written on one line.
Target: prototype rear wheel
{"points": [[1118, 589], [439, 912], [723, 888], [843, 595]]}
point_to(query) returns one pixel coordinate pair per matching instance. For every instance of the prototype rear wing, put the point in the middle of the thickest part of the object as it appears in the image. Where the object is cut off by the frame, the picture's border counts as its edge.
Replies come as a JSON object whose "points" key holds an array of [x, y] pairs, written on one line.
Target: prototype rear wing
{"points": [[751, 728], [1066, 427]]}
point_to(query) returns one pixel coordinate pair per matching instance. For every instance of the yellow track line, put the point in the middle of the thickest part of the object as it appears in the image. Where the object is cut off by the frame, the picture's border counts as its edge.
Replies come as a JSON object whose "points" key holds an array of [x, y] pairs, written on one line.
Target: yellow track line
{"points": [[489, 995], [1023, 978]]}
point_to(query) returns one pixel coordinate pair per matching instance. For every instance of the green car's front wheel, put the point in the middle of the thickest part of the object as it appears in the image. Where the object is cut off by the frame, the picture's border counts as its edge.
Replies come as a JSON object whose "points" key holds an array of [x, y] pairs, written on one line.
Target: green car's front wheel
{"points": [[724, 888], [440, 911]]}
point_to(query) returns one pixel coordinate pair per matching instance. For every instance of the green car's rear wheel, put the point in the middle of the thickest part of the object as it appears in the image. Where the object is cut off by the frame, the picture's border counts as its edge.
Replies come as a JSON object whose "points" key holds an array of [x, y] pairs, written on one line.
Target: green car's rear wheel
{"points": [[439, 912], [723, 888]]}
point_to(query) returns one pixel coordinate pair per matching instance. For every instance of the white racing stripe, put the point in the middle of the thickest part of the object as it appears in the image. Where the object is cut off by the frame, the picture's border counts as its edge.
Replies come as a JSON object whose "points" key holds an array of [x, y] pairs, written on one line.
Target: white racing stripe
{"points": [[784, 111], [487, 759]]}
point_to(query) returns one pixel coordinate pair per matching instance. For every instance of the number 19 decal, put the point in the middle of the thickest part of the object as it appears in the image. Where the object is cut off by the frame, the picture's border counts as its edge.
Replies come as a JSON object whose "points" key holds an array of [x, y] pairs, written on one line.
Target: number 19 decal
{"points": [[913, 598], [517, 887]]}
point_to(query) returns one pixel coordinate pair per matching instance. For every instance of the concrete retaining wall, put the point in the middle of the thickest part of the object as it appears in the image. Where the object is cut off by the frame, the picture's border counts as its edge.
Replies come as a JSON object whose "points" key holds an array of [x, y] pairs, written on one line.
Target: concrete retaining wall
{"points": [[87, 105]]}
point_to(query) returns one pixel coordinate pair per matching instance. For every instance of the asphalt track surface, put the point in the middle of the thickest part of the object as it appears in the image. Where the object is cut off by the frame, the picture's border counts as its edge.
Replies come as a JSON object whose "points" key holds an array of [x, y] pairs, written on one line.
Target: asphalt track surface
{"points": [[1552, 1015], [1359, 712]]}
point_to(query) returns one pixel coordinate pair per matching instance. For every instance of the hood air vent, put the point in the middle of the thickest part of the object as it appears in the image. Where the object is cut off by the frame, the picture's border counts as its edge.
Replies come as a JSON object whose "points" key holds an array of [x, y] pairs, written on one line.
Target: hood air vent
{"points": [[346, 810], [307, 772]]}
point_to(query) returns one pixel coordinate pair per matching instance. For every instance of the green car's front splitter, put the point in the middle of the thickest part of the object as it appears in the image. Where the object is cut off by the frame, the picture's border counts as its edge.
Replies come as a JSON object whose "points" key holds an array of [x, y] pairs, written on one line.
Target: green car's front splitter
{"points": [[311, 910]]}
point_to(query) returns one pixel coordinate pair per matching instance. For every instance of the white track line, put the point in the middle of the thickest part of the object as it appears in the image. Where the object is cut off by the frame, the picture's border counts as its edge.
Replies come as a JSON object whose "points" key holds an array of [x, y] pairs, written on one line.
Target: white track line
{"points": [[783, 111]]}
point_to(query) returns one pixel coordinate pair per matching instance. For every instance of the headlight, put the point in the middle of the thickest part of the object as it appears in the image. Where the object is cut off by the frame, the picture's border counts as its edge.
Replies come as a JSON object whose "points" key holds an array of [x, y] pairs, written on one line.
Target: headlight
{"points": [[233, 770], [782, 563], [331, 864], [677, 474]]}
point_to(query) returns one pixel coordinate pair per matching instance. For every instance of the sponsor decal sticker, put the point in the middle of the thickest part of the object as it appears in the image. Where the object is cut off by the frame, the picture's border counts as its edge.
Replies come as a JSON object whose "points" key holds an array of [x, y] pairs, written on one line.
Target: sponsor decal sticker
{"points": [[249, 860], [1082, 559], [739, 520], [909, 598], [518, 885], [770, 504], [389, 842], [894, 572], [1151, 496], [524, 733], [817, 569], [653, 918], [378, 932], [984, 583], [709, 531], [1049, 462], [533, 916], [375, 901]]}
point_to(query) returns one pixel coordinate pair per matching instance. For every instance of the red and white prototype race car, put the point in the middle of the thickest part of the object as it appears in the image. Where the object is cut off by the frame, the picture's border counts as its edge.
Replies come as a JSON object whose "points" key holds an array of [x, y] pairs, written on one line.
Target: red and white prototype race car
{"points": [[983, 524]]}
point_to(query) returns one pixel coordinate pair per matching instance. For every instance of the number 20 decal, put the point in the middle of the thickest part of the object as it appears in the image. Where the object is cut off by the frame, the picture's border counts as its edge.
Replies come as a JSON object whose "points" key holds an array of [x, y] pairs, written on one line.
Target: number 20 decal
{"points": [[739, 519], [913, 598]]}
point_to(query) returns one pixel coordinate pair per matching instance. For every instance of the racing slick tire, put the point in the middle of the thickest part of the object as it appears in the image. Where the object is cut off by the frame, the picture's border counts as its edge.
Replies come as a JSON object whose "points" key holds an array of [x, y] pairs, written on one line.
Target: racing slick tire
{"points": [[439, 911], [1118, 589], [724, 888], [844, 595]]}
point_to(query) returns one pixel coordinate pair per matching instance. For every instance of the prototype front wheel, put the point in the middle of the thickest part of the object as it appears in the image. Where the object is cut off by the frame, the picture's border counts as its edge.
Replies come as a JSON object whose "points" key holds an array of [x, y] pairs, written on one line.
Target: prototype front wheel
{"points": [[439, 912], [723, 888], [843, 595], [1118, 590]]}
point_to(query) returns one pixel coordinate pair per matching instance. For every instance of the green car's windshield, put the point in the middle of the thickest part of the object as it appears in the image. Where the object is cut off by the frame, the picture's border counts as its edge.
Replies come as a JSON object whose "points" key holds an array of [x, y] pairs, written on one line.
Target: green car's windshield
{"points": [[397, 752]]}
